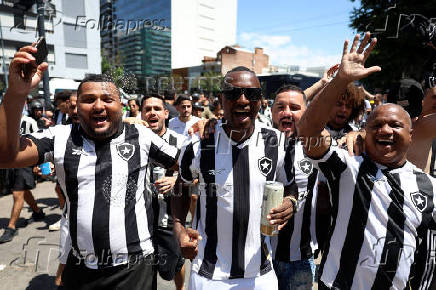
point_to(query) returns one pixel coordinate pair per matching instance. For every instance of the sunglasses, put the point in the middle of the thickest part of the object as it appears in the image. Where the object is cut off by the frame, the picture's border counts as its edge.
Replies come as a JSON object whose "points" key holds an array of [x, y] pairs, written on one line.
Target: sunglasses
{"points": [[252, 94]]}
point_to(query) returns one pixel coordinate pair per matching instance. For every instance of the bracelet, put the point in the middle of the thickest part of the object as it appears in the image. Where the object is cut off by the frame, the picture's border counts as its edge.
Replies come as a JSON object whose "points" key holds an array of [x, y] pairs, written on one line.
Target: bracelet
{"points": [[294, 202]]}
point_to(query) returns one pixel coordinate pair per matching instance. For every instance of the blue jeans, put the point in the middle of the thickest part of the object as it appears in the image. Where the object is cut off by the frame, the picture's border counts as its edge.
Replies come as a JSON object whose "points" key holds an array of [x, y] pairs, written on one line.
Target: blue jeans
{"points": [[296, 275]]}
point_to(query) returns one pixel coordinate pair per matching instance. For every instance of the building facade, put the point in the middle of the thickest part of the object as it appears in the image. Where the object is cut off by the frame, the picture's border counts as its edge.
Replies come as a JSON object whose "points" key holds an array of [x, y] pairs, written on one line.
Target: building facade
{"points": [[74, 47]]}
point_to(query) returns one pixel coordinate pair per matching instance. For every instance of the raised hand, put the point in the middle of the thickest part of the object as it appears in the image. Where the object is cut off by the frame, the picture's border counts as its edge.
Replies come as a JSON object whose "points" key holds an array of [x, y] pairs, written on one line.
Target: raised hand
{"points": [[352, 66], [19, 82]]}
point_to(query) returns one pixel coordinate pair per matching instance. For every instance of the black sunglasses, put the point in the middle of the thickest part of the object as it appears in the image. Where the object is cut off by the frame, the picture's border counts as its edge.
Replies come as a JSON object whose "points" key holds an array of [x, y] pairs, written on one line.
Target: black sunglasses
{"points": [[252, 94]]}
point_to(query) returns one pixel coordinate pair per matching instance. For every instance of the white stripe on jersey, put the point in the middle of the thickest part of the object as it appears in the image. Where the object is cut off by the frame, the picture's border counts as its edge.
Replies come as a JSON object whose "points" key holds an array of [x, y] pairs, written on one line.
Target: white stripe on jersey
{"points": [[288, 245], [377, 217], [229, 221]]}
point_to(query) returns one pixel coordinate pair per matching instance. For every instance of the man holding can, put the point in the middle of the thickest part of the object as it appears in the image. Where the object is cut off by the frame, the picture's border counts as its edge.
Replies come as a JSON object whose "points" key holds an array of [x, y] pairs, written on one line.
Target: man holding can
{"points": [[233, 165]]}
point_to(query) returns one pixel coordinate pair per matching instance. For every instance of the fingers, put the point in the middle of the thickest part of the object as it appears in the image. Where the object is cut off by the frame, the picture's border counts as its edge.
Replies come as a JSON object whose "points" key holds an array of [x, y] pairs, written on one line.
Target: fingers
{"points": [[371, 70], [193, 234], [364, 42], [369, 49], [355, 43], [345, 51]]}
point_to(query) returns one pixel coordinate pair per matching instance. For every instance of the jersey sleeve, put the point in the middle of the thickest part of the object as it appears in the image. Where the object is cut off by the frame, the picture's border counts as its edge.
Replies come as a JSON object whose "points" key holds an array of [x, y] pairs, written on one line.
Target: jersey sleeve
{"points": [[44, 141], [160, 152], [188, 160]]}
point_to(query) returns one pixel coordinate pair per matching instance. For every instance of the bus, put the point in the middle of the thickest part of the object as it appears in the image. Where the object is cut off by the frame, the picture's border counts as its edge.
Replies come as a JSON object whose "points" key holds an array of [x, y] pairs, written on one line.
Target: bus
{"points": [[272, 81]]}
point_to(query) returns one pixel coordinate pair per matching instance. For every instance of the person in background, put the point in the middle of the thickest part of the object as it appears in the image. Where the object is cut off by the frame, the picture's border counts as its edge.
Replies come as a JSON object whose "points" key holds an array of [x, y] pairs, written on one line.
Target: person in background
{"points": [[60, 115], [197, 110], [265, 110], [133, 112], [170, 97], [185, 120], [24, 182]]}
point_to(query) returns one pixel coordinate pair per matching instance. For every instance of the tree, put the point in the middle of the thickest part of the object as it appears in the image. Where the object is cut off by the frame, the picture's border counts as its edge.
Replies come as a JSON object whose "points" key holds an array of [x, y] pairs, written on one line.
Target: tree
{"points": [[403, 48], [123, 79]]}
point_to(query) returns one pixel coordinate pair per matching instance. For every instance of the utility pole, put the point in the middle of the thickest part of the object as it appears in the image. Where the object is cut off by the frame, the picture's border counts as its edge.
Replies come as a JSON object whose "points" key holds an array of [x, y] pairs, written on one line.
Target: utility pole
{"points": [[5, 71], [41, 32]]}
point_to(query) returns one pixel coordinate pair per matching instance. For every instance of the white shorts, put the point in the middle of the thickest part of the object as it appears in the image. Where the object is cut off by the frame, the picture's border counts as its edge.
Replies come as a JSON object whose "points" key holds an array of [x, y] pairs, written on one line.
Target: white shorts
{"points": [[264, 282]]}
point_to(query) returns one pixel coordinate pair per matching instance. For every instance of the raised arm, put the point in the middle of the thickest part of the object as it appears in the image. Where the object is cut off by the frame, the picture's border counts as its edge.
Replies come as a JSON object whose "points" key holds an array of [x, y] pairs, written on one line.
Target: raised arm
{"points": [[313, 90], [422, 137], [313, 121], [16, 152]]}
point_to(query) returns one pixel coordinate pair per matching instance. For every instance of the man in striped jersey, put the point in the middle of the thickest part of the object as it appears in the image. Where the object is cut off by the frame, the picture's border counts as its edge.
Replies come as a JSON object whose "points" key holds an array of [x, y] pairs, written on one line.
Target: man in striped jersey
{"points": [[232, 166], [293, 249], [101, 165], [171, 263], [24, 182], [381, 202]]}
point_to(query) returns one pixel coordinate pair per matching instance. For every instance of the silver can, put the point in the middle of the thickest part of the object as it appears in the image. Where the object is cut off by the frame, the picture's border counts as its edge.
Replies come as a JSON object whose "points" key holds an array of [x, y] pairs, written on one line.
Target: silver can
{"points": [[272, 198], [158, 173]]}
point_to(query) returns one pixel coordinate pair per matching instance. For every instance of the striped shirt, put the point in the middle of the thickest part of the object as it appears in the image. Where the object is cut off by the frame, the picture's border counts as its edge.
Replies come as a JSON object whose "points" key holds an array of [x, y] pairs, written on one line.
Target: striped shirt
{"points": [[28, 125], [110, 215], [379, 214], [232, 177], [297, 240], [164, 216]]}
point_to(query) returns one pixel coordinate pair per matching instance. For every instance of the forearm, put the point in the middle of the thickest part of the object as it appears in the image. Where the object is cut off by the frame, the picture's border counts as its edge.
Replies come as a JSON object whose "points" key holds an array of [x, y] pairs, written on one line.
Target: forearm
{"points": [[180, 202], [10, 116], [314, 89], [316, 115]]}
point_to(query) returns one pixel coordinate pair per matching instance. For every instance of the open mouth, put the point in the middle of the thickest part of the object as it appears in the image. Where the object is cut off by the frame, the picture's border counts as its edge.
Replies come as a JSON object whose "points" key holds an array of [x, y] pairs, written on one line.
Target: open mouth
{"points": [[287, 123], [99, 120], [153, 121], [385, 141], [242, 115]]}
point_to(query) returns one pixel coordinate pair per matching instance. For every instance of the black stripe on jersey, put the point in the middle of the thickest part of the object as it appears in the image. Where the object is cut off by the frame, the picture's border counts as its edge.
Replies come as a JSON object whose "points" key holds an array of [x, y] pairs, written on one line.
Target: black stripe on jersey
{"points": [[172, 140], [306, 237], [134, 167], [289, 161], [161, 157], [271, 144], [186, 162], [241, 209], [71, 165], [425, 187], [207, 166], [271, 150], [100, 216], [332, 170], [284, 241], [356, 225], [394, 241]]}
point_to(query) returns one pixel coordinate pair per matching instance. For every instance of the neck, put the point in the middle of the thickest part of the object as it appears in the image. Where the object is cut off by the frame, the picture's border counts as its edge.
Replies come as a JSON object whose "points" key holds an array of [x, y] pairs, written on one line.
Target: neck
{"points": [[238, 135], [162, 131], [185, 119]]}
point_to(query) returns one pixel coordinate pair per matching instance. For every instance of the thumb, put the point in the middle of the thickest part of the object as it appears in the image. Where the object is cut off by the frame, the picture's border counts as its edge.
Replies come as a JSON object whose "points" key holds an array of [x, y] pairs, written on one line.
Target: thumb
{"points": [[371, 70], [39, 73]]}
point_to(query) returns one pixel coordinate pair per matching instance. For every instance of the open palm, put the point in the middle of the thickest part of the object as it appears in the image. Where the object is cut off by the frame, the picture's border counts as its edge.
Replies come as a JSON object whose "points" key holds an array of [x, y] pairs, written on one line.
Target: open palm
{"points": [[352, 66]]}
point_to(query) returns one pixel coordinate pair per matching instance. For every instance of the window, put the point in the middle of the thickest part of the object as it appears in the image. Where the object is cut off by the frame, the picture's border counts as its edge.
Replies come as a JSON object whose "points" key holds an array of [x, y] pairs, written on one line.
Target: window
{"points": [[73, 60], [73, 8], [74, 36]]}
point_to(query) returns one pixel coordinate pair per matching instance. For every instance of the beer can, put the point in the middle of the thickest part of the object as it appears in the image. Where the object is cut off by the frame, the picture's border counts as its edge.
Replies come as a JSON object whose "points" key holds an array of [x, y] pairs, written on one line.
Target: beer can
{"points": [[158, 173], [272, 198]]}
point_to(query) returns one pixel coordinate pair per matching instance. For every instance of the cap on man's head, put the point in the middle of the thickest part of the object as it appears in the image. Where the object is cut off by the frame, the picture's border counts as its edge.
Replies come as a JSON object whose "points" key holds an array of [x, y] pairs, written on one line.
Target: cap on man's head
{"points": [[195, 96], [181, 98], [197, 106]]}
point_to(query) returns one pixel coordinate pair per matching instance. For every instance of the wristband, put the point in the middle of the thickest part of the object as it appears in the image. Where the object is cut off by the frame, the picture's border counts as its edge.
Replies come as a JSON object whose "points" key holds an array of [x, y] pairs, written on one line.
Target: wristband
{"points": [[294, 202]]}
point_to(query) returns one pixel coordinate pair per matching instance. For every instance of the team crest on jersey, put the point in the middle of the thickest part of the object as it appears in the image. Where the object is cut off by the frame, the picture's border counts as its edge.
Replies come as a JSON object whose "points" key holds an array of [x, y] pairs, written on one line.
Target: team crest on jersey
{"points": [[125, 151], [305, 166], [265, 165], [419, 200]]}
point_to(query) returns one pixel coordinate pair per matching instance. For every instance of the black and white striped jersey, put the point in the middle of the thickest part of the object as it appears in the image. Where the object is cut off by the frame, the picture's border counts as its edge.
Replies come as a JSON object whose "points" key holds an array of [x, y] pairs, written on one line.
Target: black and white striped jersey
{"points": [[109, 211], [232, 177], [378, 216], [297, 240], [422, 276], [28, 125], [164, 216]]}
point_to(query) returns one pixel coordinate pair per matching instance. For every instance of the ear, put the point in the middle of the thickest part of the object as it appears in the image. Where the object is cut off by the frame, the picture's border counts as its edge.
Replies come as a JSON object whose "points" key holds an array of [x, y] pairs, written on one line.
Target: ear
{"points": [[167, 113]]}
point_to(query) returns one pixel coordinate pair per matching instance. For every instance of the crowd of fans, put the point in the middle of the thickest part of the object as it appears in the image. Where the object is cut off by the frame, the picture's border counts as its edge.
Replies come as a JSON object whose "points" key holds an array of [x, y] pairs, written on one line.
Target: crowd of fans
{"points": [[358, 175]]}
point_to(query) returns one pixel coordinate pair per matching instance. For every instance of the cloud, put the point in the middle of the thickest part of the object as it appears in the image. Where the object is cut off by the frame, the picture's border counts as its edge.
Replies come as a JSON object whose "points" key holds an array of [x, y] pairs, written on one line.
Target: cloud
{"points": [[282, 51]]}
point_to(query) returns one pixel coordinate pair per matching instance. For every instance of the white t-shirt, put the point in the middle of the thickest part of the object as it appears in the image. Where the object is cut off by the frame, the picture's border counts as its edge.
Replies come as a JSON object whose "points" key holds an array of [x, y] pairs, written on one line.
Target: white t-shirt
{"points": [[181, 127]]}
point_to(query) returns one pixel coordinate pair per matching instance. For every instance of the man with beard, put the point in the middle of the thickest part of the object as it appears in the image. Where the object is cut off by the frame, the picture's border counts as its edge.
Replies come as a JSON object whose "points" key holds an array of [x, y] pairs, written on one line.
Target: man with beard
{"points": [[382, 204], [101, 166], [232, 166], [185, 120], [294, 247], [171, 263]]}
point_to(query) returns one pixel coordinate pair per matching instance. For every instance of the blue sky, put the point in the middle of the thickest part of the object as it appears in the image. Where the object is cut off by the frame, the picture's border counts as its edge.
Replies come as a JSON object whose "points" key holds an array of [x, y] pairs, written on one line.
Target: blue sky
{"points": [[305, 33]]}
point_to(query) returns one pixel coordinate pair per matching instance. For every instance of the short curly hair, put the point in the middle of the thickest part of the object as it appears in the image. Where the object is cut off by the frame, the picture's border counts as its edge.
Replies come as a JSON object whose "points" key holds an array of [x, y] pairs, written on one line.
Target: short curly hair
{"points": [[356, 97]]}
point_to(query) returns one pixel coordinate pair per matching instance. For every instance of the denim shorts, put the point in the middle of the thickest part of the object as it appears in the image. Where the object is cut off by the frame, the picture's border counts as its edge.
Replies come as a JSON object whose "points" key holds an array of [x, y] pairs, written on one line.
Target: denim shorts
{"points": [[295, 275]]}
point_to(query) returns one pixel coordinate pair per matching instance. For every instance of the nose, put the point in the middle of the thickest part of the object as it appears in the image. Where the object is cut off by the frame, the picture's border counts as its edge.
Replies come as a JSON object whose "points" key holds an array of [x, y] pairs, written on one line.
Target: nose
{"points": [[385, 130], [243, 100], [98, 105]]}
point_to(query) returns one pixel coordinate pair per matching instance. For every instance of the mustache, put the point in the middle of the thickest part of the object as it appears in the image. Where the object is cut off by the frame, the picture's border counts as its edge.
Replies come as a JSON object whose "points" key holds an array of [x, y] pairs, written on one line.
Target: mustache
{"points": [[289, 119]]}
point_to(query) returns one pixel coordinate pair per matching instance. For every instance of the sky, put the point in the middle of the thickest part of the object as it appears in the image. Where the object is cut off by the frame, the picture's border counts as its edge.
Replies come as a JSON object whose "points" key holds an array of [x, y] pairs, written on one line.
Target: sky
{"points": [[306, 33]]}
